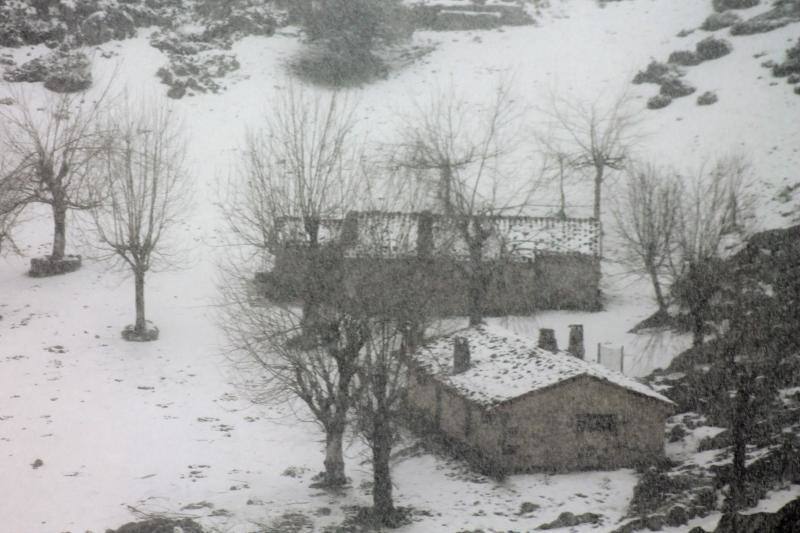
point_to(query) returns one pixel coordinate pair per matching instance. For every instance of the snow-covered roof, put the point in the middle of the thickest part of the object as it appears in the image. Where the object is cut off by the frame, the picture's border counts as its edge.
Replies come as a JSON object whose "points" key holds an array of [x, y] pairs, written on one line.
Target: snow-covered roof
{"points": [[504, 366], [384, 234]]}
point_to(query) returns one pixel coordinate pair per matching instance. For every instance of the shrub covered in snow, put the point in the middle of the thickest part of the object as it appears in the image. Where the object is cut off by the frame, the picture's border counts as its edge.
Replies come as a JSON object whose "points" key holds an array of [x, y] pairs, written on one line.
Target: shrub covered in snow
{"points": [[792, 63], [676, 88], [685, 58], [724, 5], [717, 21], [713, 48], [707, 98], [656, 72], [658, 101], [782, 13]]}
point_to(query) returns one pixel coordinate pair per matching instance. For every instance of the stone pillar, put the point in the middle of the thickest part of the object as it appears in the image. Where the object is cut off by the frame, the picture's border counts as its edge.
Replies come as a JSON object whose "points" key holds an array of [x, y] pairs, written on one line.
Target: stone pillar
{"points": [[547, 340], [576, 347]]}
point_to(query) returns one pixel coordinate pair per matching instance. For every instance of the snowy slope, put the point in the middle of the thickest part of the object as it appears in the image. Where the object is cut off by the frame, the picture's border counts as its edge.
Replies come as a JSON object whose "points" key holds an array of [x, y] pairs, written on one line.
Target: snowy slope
{"points": [[161, 426]]}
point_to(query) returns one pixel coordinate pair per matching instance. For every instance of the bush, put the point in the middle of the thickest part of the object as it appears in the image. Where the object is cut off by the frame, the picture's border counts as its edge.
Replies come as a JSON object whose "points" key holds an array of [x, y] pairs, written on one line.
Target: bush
{"points": [[655, 72], [717, 21], [707, 98], [658, 101], [713, 48], [676, 88], [347, 33], [684, 58], [334, 69], [724, 5]]}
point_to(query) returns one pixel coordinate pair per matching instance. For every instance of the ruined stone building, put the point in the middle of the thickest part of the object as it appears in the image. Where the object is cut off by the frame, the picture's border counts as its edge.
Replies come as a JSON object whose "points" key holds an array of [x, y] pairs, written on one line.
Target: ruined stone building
{"points": [[532, 263]]}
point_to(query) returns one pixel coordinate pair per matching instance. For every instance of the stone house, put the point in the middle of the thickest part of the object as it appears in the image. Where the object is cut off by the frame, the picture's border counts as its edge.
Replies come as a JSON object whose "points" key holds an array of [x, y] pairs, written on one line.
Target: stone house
{"points": [[533, 262], [509, 405]]}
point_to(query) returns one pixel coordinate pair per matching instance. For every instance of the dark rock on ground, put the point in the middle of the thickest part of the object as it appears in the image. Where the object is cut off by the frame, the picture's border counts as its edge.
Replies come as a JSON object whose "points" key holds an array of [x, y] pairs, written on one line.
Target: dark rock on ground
{"points": [[658, 101], [568, 519], [159, 525], [63, 72], [677, 516], [713, 48], [786, 520], [707, 98]]}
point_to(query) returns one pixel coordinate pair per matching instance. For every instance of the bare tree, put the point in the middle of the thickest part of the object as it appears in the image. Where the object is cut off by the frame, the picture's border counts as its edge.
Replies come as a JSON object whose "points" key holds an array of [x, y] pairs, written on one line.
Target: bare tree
{"points": [[306, 164], [646, 215], [468, 153], [379, 401], [601, 135], [711, 210], [316, 366], [51, 150], [11, 203], [141, 194]]}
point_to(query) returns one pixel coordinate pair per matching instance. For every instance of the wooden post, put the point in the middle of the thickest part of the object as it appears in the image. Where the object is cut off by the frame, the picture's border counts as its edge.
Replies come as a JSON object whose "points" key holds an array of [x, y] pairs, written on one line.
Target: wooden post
{"points": [[621, 359], [598, 352]]}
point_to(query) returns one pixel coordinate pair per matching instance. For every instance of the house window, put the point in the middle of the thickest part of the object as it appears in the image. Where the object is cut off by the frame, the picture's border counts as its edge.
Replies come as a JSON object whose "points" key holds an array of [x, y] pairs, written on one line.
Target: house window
{"points": [[596, 423]]}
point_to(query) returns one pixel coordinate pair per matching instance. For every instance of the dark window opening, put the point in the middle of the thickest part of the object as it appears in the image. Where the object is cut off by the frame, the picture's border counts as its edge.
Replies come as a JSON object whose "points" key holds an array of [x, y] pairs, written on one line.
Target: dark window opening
{"points": [[594, 423]]}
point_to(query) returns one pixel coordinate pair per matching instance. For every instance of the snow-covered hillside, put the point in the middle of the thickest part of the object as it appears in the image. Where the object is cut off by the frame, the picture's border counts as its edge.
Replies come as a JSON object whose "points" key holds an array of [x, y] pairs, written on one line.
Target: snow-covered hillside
{"points": [[167, 427]]}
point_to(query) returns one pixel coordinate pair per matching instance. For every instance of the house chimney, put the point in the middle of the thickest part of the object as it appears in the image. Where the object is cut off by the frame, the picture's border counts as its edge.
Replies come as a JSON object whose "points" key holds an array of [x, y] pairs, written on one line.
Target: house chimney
{"points": [[460, 355], [576, 341], [547, 340]]}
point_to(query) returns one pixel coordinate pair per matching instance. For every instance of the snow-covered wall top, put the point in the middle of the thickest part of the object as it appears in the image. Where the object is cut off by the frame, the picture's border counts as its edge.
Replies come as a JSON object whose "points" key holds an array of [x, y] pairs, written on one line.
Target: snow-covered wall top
{"points": [[504, 366], [382, 234]]}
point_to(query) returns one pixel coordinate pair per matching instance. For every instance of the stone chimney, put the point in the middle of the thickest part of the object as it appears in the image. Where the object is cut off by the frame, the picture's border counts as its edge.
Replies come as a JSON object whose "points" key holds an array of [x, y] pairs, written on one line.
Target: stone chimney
{"points": [[460, 355], [576, 341], [547, 340]]}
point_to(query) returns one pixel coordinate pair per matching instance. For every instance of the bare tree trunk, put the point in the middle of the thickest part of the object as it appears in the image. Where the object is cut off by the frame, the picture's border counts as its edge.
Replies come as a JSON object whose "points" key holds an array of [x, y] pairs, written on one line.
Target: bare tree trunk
{"points": [[59, 231], [739, 437], [660, 300], [598, 189], [446, 189], [698, 326], [382, 500], [313, 274], [140, 325], [334, 454], [477, 281]]}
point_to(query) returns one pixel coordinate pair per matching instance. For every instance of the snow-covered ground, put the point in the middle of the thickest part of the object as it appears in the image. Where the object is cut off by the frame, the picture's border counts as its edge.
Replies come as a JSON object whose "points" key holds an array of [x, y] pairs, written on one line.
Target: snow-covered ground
{"points": [[157, 427]]}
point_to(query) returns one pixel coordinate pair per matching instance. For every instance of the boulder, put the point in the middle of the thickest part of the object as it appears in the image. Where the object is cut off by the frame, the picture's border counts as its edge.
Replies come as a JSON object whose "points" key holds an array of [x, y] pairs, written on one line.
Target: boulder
{"points": [[567, 519], [106, 25]]}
